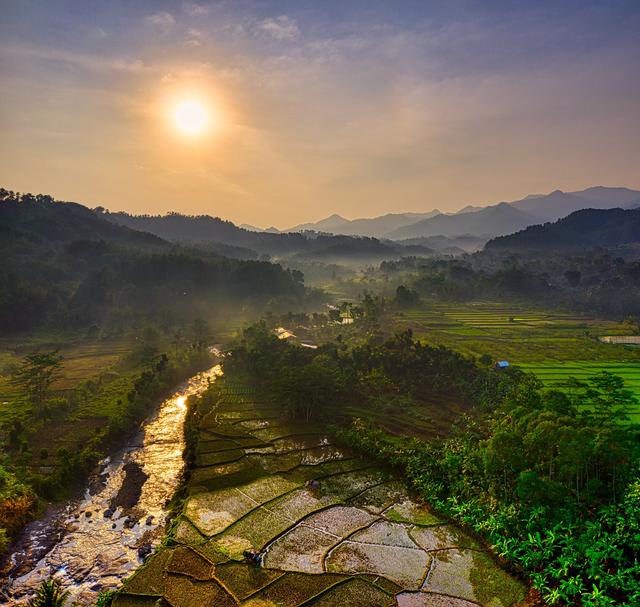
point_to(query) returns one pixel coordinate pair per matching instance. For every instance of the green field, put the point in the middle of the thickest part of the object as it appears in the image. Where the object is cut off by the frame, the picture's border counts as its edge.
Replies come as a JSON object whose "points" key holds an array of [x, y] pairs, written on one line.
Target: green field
{"points": [[556, 375], [516, 333], [554, 346], [83, 359]]}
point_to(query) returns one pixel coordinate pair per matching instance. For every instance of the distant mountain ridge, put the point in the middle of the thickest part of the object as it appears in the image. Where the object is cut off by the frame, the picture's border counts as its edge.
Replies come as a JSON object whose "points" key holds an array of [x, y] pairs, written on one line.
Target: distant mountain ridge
{"points": [[499, 219], [204, 229], [375, 226], [489, 221]]}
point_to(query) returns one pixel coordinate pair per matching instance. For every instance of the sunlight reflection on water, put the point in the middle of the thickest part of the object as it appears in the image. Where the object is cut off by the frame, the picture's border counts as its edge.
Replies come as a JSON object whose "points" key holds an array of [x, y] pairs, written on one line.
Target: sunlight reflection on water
{"points": [[98, 548]]}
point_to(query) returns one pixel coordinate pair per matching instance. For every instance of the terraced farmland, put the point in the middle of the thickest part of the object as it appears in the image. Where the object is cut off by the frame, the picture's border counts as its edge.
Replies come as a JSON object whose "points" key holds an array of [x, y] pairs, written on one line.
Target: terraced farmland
{"points": [[516, 333], [551, 345], [357, 539]]}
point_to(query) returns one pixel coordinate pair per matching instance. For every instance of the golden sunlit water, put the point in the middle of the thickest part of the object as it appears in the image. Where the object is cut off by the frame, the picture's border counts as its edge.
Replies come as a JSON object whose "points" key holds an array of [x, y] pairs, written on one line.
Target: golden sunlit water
{"points": [[94, 547]]}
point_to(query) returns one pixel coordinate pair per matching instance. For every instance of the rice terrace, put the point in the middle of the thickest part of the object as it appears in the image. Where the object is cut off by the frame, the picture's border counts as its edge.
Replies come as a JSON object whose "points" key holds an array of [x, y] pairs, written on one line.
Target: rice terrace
{"points": [[331, 528], [555, 346], [320, 304]]}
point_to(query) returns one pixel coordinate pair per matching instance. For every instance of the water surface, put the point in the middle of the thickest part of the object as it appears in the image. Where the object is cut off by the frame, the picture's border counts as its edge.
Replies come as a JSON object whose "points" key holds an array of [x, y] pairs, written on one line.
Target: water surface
{"points": [[91, 544]]}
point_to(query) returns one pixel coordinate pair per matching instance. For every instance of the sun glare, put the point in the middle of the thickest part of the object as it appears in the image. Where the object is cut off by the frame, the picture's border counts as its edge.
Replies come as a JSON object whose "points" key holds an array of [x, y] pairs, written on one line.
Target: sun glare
{"points": [[191, 117]]}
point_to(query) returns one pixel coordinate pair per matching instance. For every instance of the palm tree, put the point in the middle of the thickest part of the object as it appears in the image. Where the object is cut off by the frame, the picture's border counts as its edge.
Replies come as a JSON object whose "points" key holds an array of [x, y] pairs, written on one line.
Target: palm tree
{"points": [[49, 594]]}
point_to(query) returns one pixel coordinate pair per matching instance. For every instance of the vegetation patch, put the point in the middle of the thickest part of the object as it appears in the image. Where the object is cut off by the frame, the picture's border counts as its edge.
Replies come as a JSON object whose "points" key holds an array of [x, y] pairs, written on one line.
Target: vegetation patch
{"points": [[150, 578], [188, 562], [243, 580], [409, 511], [181, 591], [293, 589]]}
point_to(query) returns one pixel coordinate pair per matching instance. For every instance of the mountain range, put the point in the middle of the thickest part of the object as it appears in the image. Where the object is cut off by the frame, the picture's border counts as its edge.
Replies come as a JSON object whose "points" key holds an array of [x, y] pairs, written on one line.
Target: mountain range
{"points": [[481, 222], [375, 226], [228, 239]]}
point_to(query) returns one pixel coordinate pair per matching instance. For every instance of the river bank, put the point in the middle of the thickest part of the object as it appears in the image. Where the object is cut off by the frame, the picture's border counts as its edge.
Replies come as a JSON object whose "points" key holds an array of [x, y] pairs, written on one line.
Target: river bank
{"points": [[90, 544]]}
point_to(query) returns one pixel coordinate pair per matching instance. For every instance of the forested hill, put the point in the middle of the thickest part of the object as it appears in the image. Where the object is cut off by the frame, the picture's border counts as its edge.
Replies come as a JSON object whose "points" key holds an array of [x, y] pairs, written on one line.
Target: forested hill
{"points": [[65, 266], [213, 230], [41, 218], [586, 229]]}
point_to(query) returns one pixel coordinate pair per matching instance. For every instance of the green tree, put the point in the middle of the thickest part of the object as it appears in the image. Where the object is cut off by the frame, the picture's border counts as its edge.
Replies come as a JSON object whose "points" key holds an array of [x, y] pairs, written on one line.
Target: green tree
{"points": [[49, 594], [201, 333], [35, 375], [406, 298]]}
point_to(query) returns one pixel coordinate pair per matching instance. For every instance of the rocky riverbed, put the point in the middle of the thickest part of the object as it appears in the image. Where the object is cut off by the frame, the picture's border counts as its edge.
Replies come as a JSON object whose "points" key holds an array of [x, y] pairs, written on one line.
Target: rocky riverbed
{"points": [[93, 543]]}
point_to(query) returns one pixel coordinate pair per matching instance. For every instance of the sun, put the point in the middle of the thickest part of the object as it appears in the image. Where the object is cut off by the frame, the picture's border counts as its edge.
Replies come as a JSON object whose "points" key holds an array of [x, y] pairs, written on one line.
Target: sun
{"points": [[191, 117]]}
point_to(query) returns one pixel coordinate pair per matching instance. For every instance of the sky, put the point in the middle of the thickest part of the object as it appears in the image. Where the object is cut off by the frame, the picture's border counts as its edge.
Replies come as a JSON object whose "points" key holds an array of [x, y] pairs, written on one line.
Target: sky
{"points": [[356, 107]]}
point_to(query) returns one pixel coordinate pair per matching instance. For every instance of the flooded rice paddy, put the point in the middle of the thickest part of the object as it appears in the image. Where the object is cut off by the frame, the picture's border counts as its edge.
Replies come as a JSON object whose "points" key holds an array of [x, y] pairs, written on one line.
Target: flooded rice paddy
{"points": [[353, 537]]}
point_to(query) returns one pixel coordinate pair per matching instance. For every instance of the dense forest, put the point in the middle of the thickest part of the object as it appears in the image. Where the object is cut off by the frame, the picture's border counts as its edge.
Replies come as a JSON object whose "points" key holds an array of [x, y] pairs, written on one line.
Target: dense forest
{"points": [[549, 478], [582, 230], [65, 266], [593, 282]]}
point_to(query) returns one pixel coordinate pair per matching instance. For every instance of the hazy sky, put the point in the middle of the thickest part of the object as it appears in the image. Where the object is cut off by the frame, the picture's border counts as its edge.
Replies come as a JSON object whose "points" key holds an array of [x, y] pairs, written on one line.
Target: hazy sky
{"points": [[358, 107]]}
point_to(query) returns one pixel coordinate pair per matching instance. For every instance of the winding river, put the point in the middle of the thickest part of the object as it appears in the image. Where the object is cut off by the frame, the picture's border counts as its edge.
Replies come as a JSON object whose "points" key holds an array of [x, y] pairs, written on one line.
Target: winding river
{"points": [[91, 544]]}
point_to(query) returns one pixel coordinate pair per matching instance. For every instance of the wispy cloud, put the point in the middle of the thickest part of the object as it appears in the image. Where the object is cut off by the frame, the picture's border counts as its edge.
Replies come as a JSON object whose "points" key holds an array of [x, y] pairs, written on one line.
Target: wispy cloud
{"points": [[194, 38], [92, 62], [193, 9], [162, 21], [280, 28]]}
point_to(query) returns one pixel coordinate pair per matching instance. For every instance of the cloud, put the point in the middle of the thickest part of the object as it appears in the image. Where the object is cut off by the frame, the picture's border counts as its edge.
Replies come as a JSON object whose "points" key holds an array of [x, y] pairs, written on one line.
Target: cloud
{"points": [[91, 62], [162, 21], [280, 28], [194, 38], [97, 33], [193, 9]]}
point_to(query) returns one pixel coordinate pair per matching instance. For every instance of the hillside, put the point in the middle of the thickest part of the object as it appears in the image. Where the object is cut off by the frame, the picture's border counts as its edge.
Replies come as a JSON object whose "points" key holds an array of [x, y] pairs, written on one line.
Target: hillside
{"points": [[586, 229], [64, 265], [45, 219]]}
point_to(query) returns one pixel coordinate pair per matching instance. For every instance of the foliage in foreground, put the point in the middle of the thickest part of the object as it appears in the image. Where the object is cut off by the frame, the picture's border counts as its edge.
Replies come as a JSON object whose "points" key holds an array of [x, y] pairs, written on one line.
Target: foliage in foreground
{"points": [[552, 484], [49, 594]]}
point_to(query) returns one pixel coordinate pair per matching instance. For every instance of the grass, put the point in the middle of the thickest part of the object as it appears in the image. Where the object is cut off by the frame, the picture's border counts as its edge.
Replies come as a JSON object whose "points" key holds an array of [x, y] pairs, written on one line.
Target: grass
{"points": [[555, 375]]}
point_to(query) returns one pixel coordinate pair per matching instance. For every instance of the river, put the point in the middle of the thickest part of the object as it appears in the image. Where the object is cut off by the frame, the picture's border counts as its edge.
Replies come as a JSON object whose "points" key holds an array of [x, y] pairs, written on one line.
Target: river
{"points": [[91, 544]]}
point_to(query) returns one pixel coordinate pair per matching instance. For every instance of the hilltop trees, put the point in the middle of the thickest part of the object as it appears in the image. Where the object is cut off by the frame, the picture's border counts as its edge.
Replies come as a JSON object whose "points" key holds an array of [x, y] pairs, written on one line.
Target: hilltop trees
{"points": [[66, 266]]}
